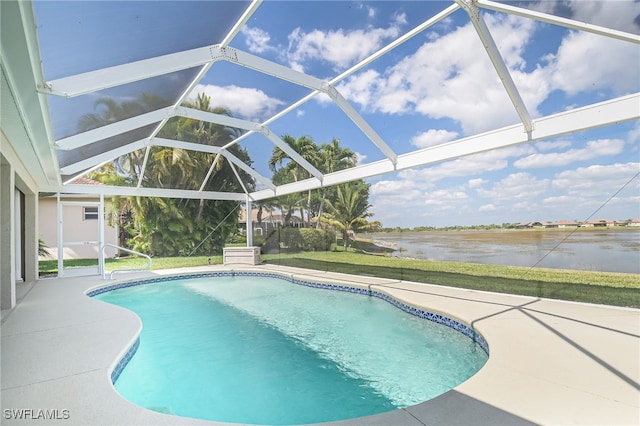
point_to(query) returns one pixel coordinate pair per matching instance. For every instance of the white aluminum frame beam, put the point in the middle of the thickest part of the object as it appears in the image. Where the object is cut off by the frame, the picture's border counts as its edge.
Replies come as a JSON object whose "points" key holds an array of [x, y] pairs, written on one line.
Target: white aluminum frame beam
{"points": [[602, 114], [188, 113], [597, 115], [109, 130], [127, 73], [104, 157], [117, 75], [428, 23], [251, 9], [265, 66], [496, 59], [190, 146], [209, 172], [292, 154], [235, 172], [132, 191], [606, 113], [249, 125], [362, 124], [558, 20], [221, 119]]}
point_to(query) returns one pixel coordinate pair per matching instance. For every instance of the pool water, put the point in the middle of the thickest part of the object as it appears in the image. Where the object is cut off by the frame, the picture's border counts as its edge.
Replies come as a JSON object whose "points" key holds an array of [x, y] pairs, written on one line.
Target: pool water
{"points": [[267, 351]]}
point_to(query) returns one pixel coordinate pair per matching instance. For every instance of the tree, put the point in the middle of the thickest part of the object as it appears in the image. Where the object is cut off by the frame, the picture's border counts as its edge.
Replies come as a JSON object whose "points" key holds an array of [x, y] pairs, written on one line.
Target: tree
{"points": [[121, 211], [349, 211], [172, 227], [332, 159], [290, 171]]}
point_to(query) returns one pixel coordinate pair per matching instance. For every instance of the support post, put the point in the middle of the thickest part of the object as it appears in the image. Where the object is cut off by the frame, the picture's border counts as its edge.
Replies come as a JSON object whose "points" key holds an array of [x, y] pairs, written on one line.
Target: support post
{"points": [[31, 237], [60, 246], [249, 223], [101, 235], [7, 237]]}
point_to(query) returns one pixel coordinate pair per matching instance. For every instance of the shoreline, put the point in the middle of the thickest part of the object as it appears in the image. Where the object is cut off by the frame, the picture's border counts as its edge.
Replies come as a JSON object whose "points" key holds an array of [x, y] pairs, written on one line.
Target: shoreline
{"points": [[588, 249]]}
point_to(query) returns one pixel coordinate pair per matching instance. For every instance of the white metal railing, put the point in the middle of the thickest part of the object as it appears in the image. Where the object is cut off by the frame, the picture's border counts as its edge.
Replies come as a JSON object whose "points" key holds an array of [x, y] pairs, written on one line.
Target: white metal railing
{"points": [[104, 269]]}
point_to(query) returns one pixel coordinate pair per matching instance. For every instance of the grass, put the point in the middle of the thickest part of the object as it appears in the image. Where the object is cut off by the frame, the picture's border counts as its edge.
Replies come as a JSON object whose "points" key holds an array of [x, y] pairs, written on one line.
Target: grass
{"points": [[607, 288], [581, 286], [50, 267]]}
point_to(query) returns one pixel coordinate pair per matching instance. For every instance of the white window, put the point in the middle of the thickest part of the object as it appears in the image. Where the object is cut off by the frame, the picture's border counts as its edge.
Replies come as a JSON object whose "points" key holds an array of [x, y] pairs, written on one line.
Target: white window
{"points": [[90, 213]]}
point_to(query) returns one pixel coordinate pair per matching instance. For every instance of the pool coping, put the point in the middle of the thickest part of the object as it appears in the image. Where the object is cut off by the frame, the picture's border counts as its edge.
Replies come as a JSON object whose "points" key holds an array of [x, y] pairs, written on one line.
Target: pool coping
{"points": [[550, 362]]}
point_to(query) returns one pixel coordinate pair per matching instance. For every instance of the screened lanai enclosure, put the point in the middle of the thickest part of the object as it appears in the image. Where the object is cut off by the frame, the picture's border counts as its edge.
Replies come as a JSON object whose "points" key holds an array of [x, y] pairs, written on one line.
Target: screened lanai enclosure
{"points": [[94, 84]]}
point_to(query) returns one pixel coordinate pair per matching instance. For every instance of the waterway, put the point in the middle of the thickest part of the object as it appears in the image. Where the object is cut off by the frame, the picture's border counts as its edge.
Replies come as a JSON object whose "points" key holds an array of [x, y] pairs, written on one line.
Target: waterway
{"points": [[606, 250]]}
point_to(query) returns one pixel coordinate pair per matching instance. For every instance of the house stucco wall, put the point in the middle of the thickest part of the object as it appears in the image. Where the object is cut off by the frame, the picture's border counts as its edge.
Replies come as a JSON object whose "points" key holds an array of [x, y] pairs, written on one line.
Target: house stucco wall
{"points": [[75, 228]]}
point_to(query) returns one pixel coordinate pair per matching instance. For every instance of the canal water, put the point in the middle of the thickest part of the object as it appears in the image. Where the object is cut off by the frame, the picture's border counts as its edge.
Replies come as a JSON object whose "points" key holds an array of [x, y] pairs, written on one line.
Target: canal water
{"points": [[606, 250]]}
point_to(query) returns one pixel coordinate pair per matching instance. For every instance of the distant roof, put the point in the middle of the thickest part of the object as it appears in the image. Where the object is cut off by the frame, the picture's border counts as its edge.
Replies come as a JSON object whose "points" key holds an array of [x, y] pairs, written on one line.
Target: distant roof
{"points": [[85, 181]]}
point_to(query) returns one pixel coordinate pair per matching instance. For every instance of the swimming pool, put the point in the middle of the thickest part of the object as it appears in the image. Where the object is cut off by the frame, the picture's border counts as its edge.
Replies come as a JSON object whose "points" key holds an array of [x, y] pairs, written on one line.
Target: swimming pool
{"points": [[276, 352]]}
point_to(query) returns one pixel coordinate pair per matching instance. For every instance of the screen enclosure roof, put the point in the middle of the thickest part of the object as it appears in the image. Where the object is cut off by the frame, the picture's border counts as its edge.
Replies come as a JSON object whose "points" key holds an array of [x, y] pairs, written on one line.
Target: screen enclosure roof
{"points": [[114, 73]]}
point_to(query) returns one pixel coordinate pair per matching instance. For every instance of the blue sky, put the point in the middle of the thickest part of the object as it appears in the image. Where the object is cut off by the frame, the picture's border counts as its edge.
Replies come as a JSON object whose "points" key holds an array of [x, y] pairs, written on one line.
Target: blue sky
{"points": [[437, 87], [440, 86]]}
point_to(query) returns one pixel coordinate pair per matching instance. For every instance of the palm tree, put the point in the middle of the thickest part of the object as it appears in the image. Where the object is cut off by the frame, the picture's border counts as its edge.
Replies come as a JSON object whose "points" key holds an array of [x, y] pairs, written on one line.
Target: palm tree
{"points": [[305, 146], [281, 162], [349, 211], [333, 158], [108, 111], [173, 226]]}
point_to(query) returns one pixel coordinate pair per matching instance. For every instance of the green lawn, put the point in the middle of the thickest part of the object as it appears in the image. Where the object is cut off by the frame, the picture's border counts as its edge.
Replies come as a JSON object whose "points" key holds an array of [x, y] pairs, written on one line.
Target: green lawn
{"points": [[616, 289], [50, 267]]}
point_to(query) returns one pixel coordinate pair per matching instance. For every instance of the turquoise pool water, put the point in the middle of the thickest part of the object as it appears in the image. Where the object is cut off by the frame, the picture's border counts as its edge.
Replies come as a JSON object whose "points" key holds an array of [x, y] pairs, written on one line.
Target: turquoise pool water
{"points": [[262, 350]]}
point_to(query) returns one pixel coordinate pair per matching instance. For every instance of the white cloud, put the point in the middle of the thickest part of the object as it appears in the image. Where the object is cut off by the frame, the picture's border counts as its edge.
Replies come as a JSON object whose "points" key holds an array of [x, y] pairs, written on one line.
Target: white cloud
{"points": [[619, 14], [466, 166], [445, 199], [338, 47], [257, 40], [594, 149], [516, 186], [371, 12], [451, 76], [597, 180], [487, 208], [405, 189], [634, 134], [392, 198], [475, 183], [433, 137], [589, 63], [562, 200], [360, 157], [243, 102], [548, 146], [361, 88]]}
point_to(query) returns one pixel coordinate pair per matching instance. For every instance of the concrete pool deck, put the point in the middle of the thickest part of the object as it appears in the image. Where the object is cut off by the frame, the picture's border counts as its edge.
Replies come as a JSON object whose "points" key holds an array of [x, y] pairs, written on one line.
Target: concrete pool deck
{"points": [[551, 362]]}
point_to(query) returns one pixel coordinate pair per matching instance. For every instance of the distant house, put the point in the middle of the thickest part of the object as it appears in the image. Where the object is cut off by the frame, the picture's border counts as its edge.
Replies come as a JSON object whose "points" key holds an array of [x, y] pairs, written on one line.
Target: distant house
{"points": [[598, 223], [79, 225], [562, 224], [528, 225], [269, 221], [634, 222]]}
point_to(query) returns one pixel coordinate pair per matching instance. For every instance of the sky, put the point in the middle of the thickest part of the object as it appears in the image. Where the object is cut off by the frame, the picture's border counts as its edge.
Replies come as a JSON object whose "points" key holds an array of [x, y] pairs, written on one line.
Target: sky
{"points": [[440, 86], [437, 87]]}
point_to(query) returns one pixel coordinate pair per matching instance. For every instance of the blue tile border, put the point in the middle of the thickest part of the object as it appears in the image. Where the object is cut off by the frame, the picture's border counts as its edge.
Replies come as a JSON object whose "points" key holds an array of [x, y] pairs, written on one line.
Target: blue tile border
{"points": [[458, 326], [117, 370]]}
